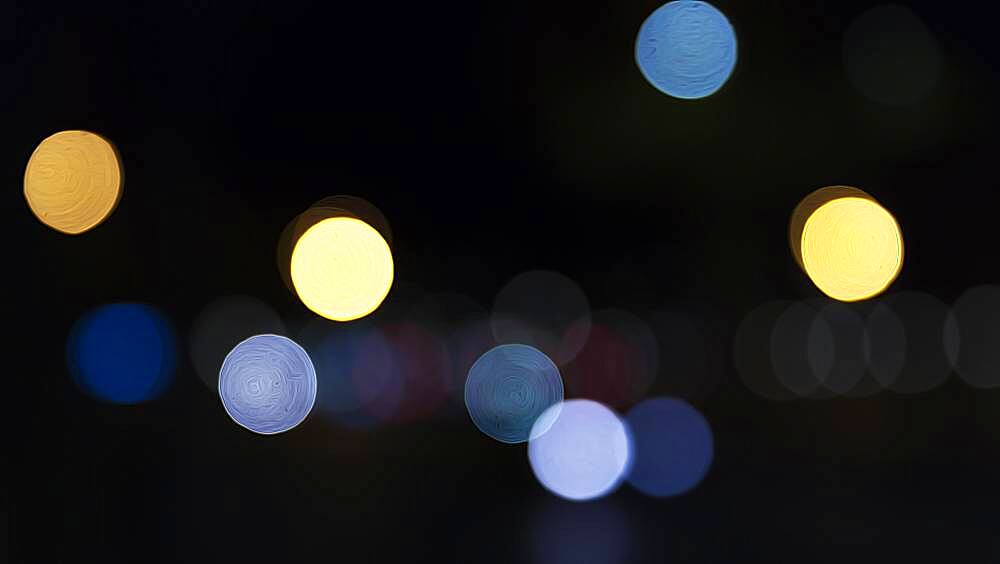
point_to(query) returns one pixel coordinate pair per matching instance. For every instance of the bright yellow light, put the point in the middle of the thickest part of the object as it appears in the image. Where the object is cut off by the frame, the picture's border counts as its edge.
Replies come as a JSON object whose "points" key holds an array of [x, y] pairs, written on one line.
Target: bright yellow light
{"points": [[341, 268], [73, 181], [852, 248], [810, 204]]}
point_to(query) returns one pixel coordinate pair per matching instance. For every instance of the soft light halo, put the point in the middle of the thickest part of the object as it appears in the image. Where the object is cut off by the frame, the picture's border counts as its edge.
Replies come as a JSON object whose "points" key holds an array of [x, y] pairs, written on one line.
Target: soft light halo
{"points": [[73, 181], [342, 268], [852, 248]]}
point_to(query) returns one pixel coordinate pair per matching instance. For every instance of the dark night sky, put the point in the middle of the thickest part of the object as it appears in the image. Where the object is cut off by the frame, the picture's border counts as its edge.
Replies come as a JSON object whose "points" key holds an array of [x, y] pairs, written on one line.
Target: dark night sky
{"points": [[496, 137]]}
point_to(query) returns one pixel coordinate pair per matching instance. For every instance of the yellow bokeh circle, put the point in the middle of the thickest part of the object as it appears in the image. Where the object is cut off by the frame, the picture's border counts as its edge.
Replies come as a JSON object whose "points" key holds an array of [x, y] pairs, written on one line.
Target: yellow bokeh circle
{"points": [[73, 181], [342, 268], [852, 248]]}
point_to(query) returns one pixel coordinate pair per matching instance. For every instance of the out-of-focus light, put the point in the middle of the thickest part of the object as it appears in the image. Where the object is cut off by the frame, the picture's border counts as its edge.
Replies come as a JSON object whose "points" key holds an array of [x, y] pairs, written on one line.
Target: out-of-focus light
{"points": [[267, 384], [545, 310], [673, 447], [798, 327], [752, 351], [335, 350], [221, 325], [810, 204], [122, 353], [836, 347], [585, 453], [509, 388], [360, 370], [852, 248], [378, 377], [910, 345], [327, 208], [73, 181], [425, 367], [686, 49], [342, 268], [975, 320], [619, 361], [891, 56]]}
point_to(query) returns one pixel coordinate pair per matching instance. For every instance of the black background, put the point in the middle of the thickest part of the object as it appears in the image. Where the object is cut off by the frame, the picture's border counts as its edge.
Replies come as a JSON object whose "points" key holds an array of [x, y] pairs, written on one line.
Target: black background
{"points": [[496, 137]]}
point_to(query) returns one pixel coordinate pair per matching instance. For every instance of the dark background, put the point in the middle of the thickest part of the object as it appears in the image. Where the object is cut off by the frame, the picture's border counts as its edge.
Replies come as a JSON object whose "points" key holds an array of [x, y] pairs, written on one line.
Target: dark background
{"points": [[496, 137]]}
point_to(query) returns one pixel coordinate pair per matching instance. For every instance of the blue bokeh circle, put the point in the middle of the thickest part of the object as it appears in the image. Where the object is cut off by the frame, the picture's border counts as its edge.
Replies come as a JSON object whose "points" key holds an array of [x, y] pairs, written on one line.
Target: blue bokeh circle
{"points": [[687, 49], [673, 445], [508, 388], [122, 353], [267, 384]]}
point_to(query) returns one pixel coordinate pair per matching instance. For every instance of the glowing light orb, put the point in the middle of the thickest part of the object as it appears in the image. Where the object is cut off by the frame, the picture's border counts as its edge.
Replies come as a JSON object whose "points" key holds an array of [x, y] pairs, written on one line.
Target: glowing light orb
{"points": [[267, 384], [509, 388], [329, 207], [852, 249], [673, 447], [686, 49], [73, 181], [122, 353], [342, 268], [585, 453], [810, 204]]}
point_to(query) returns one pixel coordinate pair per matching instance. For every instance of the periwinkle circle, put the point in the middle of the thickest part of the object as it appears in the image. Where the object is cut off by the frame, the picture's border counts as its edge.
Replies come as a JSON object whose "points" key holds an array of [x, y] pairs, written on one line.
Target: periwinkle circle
{"points": [[673, 447], [687, 49], [508, 388], [267, 384]]}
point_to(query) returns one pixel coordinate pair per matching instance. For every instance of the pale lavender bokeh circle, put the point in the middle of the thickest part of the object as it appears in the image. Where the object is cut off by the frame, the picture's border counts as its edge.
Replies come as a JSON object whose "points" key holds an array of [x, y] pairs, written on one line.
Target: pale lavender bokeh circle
{"points": [[585, 453], [267, 384]]}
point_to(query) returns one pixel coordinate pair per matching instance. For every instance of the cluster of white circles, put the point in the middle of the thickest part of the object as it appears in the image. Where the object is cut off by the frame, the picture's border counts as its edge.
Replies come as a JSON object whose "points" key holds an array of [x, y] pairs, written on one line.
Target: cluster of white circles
{"points": [[905, 342]]}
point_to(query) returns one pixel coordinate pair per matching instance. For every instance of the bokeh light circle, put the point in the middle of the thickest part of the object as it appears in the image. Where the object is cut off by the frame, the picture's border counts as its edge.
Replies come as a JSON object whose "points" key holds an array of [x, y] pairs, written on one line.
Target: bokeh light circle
{"points": [[910, 348], [836, 347], [342, 268], [796, 332], [332, 206], [752, 351], [975, 318], [73, 181], [686, 49], [812, 202], [122, 353], [852, 249], [673, 444], [362, 381], [425, 367], [267, 384], [585, 453], [508, 388]]}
